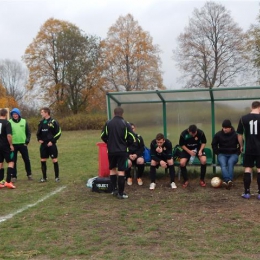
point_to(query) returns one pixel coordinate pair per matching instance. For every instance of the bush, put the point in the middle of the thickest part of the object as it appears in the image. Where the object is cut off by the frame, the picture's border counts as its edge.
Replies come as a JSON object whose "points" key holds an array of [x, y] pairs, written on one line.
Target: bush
{"points": [[74, 122]]}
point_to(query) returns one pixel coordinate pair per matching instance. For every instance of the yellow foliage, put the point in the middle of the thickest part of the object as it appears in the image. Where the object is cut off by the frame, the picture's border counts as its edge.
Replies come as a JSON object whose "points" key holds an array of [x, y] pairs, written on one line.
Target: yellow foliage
{"points": [[8, 102]]}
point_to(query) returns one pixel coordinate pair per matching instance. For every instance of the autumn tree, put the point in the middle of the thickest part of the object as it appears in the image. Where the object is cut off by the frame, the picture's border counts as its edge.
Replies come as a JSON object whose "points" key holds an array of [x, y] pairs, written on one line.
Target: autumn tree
{"points": [[6, 100], [130, 60], [210, 52], [14, 79], [61, 62]]}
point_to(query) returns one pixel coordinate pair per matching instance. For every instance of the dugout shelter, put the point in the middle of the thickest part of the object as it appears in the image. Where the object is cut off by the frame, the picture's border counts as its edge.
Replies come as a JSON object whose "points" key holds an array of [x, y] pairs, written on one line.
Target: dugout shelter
{"points": [[172, 111]]}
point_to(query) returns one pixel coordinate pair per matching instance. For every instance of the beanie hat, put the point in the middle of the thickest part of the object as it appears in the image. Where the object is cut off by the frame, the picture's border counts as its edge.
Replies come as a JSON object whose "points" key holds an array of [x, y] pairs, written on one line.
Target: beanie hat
{"points": [[226, 123], [17, 111]]}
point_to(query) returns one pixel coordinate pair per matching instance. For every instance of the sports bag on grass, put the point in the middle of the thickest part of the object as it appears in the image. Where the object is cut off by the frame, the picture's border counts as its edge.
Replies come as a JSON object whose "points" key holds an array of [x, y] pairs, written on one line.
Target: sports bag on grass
{"points": [[102, 185], [90, 182]]}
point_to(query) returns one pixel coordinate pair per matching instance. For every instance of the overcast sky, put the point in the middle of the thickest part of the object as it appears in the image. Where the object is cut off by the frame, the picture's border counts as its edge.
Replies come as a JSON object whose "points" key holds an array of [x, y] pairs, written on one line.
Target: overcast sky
{"points": [[21, 20]]}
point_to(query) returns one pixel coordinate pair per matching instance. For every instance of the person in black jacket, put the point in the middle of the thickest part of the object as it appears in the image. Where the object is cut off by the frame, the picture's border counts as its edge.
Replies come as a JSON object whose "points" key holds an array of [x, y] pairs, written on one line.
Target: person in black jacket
{"points": [[226, 146], [118, 135], [161, 155], [193, 141], [6, 150], [47, 134], [136, 151]]}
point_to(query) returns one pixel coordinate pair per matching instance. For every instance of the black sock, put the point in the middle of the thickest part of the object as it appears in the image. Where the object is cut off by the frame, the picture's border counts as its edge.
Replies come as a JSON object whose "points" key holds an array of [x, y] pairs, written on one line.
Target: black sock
{"points": [[128, 173], [56, 169], [2, 174], [152, 173], [44, 170], [172, 172], [184, 173], [121, 184], [113, 179], [258, 181], [140, 170], [203, 168], [247, 182], [9, 174]]}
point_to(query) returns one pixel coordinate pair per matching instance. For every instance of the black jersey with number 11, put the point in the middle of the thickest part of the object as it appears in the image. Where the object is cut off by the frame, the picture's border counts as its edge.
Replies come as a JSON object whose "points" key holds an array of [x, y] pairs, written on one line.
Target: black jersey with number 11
{"points": [[249, 126]]}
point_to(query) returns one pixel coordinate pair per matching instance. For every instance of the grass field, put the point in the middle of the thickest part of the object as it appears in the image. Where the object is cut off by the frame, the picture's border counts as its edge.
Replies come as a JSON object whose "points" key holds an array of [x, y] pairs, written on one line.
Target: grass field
{"points": [[67, 221]]}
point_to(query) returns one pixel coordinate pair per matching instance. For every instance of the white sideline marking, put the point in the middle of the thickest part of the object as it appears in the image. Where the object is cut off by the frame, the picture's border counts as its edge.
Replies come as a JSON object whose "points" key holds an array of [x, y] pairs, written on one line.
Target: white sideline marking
{"points": [[4, 218]]}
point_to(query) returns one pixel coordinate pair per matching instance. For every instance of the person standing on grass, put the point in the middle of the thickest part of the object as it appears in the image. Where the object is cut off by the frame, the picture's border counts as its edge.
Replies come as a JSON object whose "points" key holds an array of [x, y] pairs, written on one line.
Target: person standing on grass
{"points": [[118, 135], [136, 151], [48, 133], [21, 137], [249, 127], [161, 155], [226, 146], [6, 150], [192, 142]]}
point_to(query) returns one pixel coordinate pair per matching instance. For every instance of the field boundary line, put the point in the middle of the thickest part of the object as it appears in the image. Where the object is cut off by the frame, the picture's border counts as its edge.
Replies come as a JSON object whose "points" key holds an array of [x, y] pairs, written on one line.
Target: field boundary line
{"points": [[9, 216]]}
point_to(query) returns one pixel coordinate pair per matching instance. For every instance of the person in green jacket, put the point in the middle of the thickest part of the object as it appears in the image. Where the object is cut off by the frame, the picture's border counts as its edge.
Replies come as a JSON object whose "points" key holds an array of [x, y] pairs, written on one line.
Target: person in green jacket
{"points": [[21, 137]]}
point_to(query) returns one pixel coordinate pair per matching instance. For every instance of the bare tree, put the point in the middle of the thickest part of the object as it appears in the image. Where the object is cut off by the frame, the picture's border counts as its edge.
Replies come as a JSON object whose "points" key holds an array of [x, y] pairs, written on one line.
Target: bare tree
{"points": [[14, 78], [253, 49], [130, 61], [211, 50]]}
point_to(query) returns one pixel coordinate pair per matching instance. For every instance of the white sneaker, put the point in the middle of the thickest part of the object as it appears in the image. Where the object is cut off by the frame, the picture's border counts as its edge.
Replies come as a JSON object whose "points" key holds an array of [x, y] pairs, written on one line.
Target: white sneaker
{"points": [[152, 186], [173, 185], [129, 181], [139, 182]]}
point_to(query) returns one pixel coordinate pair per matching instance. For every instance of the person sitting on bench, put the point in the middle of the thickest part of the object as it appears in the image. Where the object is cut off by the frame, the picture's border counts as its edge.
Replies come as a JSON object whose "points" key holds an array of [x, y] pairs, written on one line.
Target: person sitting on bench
{"points": [[193, 141]]}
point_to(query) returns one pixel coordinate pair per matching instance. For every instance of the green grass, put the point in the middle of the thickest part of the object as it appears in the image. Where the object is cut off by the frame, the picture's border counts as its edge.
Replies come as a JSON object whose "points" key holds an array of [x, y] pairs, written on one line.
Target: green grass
{"points": [[194, 223]]}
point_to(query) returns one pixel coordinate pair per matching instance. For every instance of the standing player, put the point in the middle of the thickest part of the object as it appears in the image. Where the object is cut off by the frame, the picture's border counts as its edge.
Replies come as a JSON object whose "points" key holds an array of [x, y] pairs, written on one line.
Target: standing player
{"points": [[6, 150], [118, 135], [193, 141], [47, 135], [249, 126]]}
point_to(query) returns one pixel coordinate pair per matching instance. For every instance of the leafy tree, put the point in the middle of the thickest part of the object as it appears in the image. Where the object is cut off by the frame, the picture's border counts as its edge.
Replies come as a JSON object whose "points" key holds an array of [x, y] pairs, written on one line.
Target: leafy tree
{"points": [[211, 50], [61, 62], [14, 78], [130, 60]]}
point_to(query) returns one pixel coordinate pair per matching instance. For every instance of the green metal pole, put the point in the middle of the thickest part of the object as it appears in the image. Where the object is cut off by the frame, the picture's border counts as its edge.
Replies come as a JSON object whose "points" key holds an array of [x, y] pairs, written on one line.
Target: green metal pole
{"points": [[108, 107], [164, 113], [213, 126], [164, 120]]}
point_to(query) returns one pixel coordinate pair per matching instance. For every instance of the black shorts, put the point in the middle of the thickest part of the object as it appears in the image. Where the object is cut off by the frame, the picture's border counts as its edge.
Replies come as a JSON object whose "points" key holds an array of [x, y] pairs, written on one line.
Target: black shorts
{"points": [[119, 161], [162, 158], [6, 155], [251, 161], [48, 151]]}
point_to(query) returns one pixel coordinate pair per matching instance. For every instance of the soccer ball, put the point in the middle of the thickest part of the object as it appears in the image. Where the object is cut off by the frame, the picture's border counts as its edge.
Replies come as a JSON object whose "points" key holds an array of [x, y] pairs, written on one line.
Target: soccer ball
{"points": [[216, 182]]}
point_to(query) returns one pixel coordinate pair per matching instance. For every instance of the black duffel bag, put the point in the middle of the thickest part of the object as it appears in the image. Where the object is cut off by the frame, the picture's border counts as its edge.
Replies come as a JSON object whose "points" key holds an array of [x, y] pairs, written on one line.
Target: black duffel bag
{"points": [[102, 185]]}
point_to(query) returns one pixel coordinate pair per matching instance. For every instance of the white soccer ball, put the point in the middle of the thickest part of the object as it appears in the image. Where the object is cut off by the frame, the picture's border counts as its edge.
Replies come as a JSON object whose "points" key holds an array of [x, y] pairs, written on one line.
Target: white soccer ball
{"points": [[216, 182]]}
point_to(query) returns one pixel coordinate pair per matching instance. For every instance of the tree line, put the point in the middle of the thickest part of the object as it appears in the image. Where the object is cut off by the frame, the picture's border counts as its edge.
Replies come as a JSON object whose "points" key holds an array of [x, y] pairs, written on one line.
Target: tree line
{"points": [[71, 71]]}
